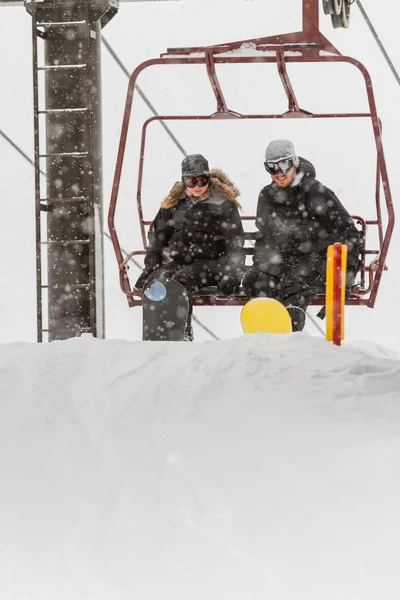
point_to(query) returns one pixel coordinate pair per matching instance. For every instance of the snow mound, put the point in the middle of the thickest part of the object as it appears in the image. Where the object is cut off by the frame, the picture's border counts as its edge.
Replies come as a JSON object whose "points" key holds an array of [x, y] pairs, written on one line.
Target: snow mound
{"points": [[259, 467]]}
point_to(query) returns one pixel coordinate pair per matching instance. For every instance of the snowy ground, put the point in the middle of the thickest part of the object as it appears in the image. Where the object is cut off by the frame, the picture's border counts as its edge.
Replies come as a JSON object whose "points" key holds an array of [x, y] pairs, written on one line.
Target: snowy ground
{"points": [[258, 467]]}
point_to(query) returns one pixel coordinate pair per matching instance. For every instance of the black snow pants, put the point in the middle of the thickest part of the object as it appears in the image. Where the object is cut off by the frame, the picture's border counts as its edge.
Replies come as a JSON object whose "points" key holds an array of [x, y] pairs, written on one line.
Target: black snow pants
{"points": [[295, 282], [196, 275]]}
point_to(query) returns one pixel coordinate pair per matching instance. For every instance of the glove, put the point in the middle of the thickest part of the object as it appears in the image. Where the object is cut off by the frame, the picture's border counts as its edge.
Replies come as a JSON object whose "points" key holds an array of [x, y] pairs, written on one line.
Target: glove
{"points": [[196, 251], [229, 285], [206, 251], [141, 282]]}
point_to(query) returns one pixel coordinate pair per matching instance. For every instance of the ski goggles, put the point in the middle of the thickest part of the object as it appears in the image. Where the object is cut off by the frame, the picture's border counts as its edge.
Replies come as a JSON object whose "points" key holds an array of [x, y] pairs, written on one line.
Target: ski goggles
{"points": [[281, 166], [199, 181]]}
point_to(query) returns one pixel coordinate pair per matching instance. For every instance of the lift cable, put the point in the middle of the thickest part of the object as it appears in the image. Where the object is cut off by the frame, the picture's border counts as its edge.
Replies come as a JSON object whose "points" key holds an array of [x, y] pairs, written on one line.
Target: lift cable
{"points": [[316, 324], [143, 96], [132, 260], [17, 148], [378, 41]]}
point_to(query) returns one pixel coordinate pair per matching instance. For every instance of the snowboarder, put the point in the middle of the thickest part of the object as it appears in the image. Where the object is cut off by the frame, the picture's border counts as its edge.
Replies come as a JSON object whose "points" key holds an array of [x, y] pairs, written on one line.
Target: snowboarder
{"points": [[297, 219], [198, 235]]}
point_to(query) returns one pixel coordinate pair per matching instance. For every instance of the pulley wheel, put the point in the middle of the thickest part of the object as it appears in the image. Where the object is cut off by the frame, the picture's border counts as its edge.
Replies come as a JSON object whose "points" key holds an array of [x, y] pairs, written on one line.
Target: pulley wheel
{"points": [[342, 20]]}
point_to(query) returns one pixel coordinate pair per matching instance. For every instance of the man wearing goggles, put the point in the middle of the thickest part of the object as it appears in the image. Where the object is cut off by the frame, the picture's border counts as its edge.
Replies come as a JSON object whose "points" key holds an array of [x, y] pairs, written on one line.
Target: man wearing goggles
{"points": [[297, 219], [283, 165], [197, 235]]}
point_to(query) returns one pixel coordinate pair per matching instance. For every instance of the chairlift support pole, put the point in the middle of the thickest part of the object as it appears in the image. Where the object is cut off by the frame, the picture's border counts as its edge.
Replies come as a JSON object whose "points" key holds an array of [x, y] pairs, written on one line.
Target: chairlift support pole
{"points": [[67, 126]]}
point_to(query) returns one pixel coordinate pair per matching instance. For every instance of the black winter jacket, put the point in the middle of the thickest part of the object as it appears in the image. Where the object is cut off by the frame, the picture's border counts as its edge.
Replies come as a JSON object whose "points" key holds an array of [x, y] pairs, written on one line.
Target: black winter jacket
{"points": [[300, 222], [198, 229]]}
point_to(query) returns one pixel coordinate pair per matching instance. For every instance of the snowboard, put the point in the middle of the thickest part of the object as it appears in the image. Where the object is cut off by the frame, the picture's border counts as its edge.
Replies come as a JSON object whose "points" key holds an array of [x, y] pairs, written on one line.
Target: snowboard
{"points": [[265, 315], [165, 311]]}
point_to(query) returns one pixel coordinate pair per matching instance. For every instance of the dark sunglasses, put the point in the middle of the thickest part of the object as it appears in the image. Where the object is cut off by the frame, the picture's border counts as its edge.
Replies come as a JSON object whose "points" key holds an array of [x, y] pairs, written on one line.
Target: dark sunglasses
{"points": [[199, 181], [282, 166]]}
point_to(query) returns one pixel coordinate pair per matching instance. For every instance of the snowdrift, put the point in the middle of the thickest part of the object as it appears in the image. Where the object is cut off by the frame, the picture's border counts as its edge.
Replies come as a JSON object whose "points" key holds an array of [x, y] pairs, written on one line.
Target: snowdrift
{"points": [[260, 467]]}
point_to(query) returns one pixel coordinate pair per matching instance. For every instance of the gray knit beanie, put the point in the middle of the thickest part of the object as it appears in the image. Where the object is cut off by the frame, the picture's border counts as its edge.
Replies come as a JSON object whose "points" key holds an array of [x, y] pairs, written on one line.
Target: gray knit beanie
{"points": [[194, 165], [281, 149]]}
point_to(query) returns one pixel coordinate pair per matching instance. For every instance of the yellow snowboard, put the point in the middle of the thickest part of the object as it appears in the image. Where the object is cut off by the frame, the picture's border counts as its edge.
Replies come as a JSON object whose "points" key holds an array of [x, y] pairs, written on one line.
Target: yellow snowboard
{"points": [[265, 315]]}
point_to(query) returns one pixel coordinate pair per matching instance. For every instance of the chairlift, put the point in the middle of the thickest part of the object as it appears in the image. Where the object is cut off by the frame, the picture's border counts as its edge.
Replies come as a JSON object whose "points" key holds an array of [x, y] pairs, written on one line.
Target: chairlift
{"points": [[306, 46]]}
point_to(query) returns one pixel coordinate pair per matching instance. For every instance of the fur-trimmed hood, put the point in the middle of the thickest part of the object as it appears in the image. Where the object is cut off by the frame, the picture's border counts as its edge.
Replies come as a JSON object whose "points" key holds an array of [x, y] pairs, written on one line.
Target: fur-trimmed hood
{"points": [[218, 175], [220, 186]]}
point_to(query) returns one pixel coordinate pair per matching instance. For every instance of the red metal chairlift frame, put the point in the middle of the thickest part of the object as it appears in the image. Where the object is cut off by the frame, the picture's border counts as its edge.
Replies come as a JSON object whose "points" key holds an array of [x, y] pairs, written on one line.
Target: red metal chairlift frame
{"points": [[308, 43]]}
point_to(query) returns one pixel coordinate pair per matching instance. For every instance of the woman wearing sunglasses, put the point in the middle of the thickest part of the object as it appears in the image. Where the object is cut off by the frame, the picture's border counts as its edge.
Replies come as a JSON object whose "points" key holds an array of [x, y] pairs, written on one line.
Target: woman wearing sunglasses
{"points": [[297, 219], [197, 235]]}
